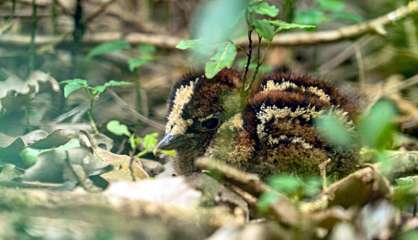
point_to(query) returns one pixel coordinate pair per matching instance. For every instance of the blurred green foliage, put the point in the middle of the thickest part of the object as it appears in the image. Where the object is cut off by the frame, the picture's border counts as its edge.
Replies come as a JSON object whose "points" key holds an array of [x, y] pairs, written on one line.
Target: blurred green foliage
{"points": [[376, 128], [325, 11], [108, 47], [93, 92], [291, 186], [146, 54], [333, 130], [220, 22], [223, 58], [74, 85], [147, 144]]}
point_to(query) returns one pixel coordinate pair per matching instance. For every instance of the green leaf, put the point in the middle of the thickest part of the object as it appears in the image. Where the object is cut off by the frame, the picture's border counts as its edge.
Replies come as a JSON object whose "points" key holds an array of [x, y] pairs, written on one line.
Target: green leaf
{"points": [[150, 141], [266, 200], [313, 186], [30, 155], [282, 26], [345, 16], [135, 63], [264, 8], [146, 55], [264, 28], [223, 58], [285, 183], [108, 47], [376, 128], [170, 153], [118, 128], [333, 130], [134, 141], [112, 83], [189, 44], [74, 85], [313, 16], [332, 5], [146, 49]]}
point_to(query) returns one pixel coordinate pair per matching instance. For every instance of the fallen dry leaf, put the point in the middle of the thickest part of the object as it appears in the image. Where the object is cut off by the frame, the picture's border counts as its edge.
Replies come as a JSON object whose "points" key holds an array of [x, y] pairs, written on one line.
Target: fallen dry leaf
{"points": [[121, 166]]}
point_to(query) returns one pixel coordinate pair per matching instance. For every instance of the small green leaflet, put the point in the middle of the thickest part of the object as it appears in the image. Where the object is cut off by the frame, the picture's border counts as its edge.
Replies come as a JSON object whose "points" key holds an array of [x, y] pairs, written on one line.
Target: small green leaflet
{"points": [[108, 47], [74, 85], [223, 58], [150, 141], [286, 184], [146, 55], [146, 49], [264, 28], [333, 130], [117, 128], [189, 44], [112, 83], [263, 8], [345, 16], [268, 28], [135, 63], [282, 26], [313, 16], [266, 200], [295, 186], [332, 5], [376, 128]]}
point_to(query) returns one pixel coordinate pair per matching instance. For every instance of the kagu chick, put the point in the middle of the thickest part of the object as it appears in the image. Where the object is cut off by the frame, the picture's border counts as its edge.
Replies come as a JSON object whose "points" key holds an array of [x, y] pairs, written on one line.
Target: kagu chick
{"points": [[274, 133], [196, 108]]}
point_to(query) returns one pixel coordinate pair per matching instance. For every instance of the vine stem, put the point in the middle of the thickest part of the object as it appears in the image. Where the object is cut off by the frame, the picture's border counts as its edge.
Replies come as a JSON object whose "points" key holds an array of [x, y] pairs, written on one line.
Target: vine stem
{"points": [[259, 62], [91, 117], [247, 66]]}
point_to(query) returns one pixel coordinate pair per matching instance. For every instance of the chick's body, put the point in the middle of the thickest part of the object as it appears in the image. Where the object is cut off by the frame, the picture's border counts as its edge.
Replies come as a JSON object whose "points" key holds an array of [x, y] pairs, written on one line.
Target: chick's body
{"points": [[274, 133]]}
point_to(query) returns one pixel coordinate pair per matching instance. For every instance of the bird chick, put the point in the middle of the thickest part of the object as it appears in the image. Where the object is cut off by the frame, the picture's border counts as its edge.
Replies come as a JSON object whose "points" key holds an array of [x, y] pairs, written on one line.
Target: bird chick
{"points": [[280, 119], [274, 133], [196, 108]]}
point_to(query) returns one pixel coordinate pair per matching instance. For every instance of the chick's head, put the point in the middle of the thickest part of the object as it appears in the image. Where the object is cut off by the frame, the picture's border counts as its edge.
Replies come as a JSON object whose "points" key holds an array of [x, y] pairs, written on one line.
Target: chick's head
{"points": [[196, 108]]}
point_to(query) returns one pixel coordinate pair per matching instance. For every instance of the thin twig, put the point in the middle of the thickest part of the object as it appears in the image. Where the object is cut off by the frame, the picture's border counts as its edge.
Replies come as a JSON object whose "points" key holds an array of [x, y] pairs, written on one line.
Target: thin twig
{"points": [[402, 85], [100, 10], [283, 210], [343, 55], [136, 114], [248, 182]]}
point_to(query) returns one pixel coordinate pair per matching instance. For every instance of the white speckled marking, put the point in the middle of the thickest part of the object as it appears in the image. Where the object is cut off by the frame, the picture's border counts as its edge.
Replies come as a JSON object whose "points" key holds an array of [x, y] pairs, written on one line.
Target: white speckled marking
{"points": [[176, 125], [271, 85], [268, 113], [294, 140]]}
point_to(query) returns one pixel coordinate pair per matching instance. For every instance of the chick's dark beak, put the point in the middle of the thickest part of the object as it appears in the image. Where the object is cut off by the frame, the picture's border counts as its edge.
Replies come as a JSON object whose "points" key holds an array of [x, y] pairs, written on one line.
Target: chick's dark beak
{"points": [[167, 143]]}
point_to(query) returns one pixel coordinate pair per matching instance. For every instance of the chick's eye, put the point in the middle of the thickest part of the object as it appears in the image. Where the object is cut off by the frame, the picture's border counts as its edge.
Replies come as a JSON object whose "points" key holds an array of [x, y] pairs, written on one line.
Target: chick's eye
{"points": [[210, 123]]}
